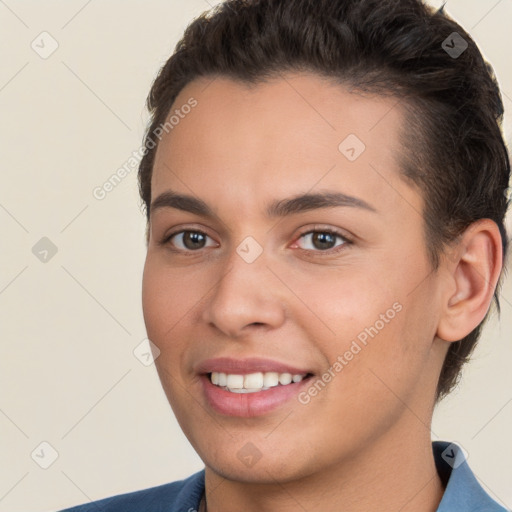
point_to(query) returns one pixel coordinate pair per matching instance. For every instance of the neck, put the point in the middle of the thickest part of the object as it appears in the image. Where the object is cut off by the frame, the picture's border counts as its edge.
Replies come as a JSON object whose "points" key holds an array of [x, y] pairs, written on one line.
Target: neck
{"points": [[396, 473]]}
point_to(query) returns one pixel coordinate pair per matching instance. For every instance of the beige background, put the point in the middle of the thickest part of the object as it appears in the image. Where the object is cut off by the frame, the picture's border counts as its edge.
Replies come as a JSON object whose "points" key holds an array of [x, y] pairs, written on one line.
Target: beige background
{"points": [[68, 375]]}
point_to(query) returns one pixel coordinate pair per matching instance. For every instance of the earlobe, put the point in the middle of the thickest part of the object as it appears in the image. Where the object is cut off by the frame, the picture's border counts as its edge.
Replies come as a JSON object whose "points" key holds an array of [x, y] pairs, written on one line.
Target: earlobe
{"points": [[473, 275]]}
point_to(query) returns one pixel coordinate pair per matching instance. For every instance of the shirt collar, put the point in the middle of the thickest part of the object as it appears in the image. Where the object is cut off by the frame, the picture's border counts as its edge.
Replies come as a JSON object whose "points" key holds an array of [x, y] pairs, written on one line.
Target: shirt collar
{"points": [[462, 492]]}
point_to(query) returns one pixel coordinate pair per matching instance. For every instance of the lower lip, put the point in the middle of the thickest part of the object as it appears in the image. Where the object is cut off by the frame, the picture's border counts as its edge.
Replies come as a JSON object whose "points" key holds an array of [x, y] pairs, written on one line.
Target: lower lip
{"points": [[248, 405]]}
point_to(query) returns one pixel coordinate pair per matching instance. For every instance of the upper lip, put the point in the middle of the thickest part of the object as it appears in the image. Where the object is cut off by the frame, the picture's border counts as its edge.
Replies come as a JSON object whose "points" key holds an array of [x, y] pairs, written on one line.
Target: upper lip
{"points": [[245, 366]]}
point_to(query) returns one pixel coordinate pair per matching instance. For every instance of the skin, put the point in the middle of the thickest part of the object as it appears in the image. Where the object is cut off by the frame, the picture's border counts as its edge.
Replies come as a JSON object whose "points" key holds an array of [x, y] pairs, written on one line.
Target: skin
{"points": [[363, 443]]}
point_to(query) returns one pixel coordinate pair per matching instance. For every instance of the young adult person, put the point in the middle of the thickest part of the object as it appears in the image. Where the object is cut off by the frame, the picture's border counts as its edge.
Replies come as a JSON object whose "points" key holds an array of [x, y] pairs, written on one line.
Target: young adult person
{"points": [[325, 185]]}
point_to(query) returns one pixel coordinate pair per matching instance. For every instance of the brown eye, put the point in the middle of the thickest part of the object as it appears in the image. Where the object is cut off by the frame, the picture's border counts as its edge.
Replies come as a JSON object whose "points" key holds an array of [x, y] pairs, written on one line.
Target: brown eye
{"points": [[189, 240], [322, 240]]}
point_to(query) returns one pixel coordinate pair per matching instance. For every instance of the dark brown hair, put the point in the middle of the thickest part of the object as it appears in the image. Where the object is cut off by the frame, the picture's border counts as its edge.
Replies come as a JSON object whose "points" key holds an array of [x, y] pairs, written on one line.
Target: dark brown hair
{"points": [[454, 149]]}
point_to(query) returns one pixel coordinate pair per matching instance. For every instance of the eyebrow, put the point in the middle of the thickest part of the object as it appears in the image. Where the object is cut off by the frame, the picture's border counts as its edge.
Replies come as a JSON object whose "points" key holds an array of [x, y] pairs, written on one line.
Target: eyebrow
{"points": [[278, 208]]}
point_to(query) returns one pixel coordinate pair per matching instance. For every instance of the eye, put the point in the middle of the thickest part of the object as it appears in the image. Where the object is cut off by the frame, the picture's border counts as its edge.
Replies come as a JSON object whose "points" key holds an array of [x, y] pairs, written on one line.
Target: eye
{"points": [[323, 240], [188, 240]]}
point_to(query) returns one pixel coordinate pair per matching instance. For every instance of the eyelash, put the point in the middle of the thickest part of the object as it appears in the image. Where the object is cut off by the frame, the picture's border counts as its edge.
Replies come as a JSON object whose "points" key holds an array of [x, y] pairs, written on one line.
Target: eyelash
{"points": [[334, 250]]}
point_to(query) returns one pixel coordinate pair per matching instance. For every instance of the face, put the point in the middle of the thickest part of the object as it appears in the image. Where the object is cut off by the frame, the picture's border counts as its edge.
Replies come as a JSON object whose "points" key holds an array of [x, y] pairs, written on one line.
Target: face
{"points": [[298, 255]]}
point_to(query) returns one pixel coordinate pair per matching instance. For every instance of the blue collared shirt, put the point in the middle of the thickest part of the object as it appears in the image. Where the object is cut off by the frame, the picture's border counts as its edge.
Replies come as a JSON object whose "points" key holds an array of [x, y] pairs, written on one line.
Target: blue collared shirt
{"points": [[463, 493]]}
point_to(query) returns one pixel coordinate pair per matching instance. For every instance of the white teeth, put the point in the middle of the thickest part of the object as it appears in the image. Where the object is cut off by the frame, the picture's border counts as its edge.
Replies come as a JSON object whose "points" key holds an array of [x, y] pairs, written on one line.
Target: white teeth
{"points": [[243, 390], [235, 381], [223, 379], [285, 378], [270, 379], [253, 382]]}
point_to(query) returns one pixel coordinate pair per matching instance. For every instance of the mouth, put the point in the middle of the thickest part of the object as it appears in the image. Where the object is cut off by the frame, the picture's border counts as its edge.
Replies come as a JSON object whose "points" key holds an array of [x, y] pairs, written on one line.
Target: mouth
{"points": [[250, 387]]}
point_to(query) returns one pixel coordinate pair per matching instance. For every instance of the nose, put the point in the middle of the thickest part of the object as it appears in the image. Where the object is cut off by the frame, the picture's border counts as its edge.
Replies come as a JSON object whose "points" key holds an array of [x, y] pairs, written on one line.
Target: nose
{"points": [[247, 297]]}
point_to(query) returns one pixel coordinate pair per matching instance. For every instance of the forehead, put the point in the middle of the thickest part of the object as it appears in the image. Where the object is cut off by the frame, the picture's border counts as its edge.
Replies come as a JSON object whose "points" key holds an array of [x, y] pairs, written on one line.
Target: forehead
{"points": [[288, 133]]}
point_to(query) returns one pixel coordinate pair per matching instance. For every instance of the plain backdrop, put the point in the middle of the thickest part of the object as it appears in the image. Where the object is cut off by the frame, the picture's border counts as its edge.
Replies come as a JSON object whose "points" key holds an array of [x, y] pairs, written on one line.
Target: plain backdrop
{"points": [[71, 265]]}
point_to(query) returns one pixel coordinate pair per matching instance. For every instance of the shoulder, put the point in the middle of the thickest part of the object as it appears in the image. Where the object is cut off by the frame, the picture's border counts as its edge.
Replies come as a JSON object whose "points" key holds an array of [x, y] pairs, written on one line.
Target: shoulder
{"points": [[176, 496]]}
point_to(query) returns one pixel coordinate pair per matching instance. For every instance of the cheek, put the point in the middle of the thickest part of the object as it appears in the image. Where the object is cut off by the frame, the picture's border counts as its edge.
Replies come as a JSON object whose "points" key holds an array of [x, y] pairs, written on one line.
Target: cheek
{"points": [[340, 303], [369, 319], [168, 296]]}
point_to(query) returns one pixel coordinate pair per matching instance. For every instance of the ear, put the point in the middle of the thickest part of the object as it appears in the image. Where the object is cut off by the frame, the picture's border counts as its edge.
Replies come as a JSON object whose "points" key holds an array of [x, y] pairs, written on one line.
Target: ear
{"points": [[473, 269]]}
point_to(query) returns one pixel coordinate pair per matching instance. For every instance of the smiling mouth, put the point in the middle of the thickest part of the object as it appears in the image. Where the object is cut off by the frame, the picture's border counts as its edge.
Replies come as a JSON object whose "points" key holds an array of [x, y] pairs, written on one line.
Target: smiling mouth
{"points": [[254, 382]]}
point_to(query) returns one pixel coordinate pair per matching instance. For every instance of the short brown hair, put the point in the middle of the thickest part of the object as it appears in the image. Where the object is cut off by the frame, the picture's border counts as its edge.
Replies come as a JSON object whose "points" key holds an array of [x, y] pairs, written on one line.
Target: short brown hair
{"points": [[454, 148]]}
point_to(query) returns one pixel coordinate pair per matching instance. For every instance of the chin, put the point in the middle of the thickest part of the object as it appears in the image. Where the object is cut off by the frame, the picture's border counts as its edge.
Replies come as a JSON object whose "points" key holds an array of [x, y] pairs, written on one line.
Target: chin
{"points": [[252, 459], [265, 471]]}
